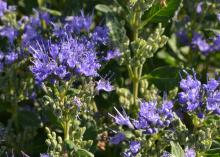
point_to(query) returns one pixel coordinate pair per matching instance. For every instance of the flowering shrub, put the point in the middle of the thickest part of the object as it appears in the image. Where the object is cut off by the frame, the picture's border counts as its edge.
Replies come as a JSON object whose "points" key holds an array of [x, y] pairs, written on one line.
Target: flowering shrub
{"points": [[115, 78]]}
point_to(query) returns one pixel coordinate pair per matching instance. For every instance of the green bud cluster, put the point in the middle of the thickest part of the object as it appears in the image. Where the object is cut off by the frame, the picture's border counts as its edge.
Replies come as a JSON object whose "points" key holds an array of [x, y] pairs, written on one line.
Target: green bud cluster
{"points": [[146, 48], [55, 143], [150, 93], [125, 97]]}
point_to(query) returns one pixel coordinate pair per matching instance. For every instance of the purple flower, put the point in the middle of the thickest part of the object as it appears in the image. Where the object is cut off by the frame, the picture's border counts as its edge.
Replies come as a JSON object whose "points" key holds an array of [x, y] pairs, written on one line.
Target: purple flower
{"points": [[79, 23], [199, 7], [148, 111], [189, 83], [44, 155], [197, 97], [117, 138], [104, 85], [135, 147], [9, 32], [61, 71], [213, 101], [151, 117], [58, 31], [128, 154], [43, 66], [191, 95], [81, 56], [1, 56], [189, 152], [166, 154], [211, 85], [122, 119], [100, 35], [133, 150], [215, 45], [33, 28], [182, 37], [111, 54], [3, 7], [200, 43], [54, 51], [45, 16], [77, 102], [11, 57]]}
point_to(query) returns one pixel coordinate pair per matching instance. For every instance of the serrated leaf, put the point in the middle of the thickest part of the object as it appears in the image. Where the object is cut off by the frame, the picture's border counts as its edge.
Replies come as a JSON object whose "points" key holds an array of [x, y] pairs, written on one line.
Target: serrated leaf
{"points": [[176, 150], [165, 77], [158, 13], [83, 153], [103, 8]]}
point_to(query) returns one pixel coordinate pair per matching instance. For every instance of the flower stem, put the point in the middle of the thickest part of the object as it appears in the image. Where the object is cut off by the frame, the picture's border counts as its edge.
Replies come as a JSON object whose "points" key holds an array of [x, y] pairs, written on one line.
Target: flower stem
{"points": [[135, 85], [66, 130]]}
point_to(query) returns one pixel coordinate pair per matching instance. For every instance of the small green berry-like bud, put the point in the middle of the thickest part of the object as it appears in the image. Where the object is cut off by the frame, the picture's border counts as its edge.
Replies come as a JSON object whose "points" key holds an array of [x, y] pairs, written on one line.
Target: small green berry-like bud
{"points": [[54, 143], [53, 134], [142, 90], [48, 143], [50, 136], [59, 139], [47, 130], [121, 99], [59, 147]]}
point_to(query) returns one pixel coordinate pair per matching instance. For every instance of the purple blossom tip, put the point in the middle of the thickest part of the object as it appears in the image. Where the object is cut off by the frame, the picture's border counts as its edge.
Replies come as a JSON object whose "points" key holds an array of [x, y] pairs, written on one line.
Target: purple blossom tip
{"points": [[104, 85], [189, 152], [117, 138]]}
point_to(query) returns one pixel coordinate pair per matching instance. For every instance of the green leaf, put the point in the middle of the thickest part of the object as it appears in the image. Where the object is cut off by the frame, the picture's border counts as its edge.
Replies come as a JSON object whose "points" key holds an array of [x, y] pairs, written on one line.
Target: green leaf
{"points": [[213, 30], [165, 77], [40, 2], [167, 57], [172, 42], [158, 13], [28, 118], [176, 150], [103, 8], [84, 153], [51, 11]]}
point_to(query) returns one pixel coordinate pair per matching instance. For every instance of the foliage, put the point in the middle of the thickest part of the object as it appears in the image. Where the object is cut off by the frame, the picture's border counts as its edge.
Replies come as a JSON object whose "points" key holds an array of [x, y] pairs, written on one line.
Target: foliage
{"points": [[109, 78]]}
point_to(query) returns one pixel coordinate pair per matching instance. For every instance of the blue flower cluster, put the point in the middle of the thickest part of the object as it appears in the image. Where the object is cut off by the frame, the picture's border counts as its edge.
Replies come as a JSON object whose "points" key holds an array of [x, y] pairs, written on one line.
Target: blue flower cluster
{"points": [[8, 58], [189, 152], [199, 42], [151, 118], [194, 37], [74, 52], [33, 27], [10, 32], [200, 98], [134, 148]]}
